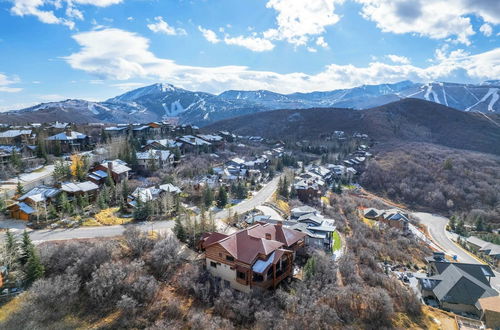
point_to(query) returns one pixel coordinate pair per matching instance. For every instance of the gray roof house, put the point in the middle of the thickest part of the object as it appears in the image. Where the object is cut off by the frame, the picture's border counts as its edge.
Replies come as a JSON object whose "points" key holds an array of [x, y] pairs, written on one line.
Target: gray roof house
{"points": [[457, 287]]}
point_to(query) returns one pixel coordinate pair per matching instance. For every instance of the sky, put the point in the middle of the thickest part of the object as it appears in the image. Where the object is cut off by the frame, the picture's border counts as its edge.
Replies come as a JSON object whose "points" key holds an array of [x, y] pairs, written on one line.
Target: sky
{"points": [[51, 50]]}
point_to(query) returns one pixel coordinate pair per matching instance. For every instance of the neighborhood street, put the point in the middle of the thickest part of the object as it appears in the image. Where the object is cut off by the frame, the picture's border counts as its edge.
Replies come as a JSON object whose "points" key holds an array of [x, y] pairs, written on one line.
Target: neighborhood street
{"points": [[39, 236], [437, 230]]}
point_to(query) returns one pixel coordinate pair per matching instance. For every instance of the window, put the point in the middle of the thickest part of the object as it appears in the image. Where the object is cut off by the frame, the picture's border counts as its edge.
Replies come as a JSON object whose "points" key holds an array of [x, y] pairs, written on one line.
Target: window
{"points": [[229, 258], [213, 264], [242, 275], [270, 271], [227, 284]]}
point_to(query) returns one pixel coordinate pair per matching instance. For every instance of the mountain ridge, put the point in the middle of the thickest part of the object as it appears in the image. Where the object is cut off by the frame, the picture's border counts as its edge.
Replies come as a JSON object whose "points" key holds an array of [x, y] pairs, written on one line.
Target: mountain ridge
{"points": [[161, 101]]}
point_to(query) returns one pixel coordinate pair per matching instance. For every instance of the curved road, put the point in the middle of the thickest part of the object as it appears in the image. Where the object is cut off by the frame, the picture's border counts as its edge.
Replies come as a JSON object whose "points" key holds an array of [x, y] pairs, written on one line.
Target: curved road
{"points": [[436, 226], [39, 236]]}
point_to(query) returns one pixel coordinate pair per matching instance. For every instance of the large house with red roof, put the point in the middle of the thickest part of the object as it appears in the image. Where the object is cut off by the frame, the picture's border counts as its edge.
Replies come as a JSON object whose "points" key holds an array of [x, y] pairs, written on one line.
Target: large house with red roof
{"points": [[259, 256]]}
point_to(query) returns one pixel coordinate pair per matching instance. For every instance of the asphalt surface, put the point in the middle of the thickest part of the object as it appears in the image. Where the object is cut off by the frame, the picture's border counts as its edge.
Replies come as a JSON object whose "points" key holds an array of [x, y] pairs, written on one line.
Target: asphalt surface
{"points": [[436, 226], [270, 212], [39, 236]]}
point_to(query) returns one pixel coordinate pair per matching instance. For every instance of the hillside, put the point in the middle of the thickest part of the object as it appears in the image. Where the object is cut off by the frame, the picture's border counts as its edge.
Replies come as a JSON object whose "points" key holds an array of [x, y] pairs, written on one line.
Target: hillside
{"points": [[410, 120], [438, 179], [161, 101]]}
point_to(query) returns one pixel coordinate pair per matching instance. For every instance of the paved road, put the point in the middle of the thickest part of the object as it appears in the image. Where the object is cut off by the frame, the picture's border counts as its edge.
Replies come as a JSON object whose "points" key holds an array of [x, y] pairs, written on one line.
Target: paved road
{"points": [[437, 230], [39, 236]]}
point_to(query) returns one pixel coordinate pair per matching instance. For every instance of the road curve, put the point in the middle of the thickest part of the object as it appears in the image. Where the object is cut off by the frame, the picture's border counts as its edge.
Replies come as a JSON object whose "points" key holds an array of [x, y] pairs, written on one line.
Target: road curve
{"points": [[437, 230]]}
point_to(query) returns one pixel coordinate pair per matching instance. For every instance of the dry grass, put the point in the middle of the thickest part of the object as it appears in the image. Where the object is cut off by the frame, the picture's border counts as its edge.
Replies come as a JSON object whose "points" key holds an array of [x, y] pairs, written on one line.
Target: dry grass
{"points": [[11, 307], [91, 222], [108, 217], [283, 206]]}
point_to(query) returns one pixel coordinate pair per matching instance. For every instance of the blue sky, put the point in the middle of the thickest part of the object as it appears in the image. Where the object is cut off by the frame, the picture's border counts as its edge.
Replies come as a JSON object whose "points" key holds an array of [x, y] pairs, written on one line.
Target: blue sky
{"points": [[95, 49]]}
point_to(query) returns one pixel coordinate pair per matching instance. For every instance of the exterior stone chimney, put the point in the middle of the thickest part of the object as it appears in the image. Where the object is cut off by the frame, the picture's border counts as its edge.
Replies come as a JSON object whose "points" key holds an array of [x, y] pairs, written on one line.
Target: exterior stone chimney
{"points": [[110, 166], [67, 131]]}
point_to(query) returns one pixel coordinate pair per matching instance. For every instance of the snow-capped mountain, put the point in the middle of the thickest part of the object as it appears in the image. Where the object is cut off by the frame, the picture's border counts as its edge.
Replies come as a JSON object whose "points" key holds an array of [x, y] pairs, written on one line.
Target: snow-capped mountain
{"points": [[160, 101]]}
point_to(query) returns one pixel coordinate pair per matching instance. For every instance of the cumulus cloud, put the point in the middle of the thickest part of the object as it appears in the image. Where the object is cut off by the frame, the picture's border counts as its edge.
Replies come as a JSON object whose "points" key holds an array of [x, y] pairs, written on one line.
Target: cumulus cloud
{"points": [[44, 9], [436, 19], [6, 82], [162, 26], [122, 55], [398, 59], [320, 41], [210, 35], [486, 29], [253, 43], [297, 20]]}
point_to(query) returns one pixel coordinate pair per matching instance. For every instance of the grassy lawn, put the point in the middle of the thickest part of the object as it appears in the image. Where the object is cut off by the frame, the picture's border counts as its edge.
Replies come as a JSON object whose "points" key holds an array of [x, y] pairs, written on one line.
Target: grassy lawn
{"points": [[10, 307], [108, 217], [337, 243]]}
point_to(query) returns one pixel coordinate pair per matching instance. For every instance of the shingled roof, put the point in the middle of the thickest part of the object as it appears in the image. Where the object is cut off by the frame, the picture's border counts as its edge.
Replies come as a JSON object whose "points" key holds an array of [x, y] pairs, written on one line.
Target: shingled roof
{"points": [[247, 244]]}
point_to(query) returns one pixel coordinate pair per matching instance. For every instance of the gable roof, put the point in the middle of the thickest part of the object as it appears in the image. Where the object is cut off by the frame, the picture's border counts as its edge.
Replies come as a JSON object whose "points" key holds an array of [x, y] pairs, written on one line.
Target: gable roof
{"points": [[40, 193], [14, 133], [119, 166]]}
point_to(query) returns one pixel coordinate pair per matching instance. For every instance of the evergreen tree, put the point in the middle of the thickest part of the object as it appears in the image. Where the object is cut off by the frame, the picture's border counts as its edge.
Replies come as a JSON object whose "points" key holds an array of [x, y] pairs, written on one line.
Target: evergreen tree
{"points": [[177, 154], [62, 171], [101, 200], [10, 242], [16, 161], [26, 248], [41, 149], [222, 198], [479, 224], [65, 203], [208, 196], [179, 229], [142, 210], [34, 267], [19, 187]]}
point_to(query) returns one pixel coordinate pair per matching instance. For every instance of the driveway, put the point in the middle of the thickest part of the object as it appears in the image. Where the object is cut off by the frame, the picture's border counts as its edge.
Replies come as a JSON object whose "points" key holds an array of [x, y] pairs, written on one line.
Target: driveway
{"points": [[436, 225], [270, 212]]}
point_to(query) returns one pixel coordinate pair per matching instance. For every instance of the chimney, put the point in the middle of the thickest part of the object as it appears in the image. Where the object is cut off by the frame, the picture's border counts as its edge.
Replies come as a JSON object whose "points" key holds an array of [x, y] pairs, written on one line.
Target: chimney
{"points": [[279, 223], [68, 132], [110, 165], [193, 139]]}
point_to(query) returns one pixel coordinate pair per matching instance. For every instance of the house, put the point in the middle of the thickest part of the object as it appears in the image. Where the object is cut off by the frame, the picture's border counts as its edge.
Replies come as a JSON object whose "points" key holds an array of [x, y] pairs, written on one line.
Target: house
{"points": [[16, 137], [191, 143], [490, 311], [144, 195], [394, 218], [154, 159], [24, 151], [69, 141], [486, 249], [258, 257], [457, 287], [141, 131], [307, 190], [73, 189], [215, 140], [118, 169], [162, 144], [117, 130], [318, 229], [170, 188], [32, 203]]}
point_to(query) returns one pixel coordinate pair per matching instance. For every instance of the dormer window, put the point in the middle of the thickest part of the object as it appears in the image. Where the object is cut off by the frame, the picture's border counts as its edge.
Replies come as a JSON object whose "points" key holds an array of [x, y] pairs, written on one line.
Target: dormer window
{"points": [[229, 258], [268, 236]]}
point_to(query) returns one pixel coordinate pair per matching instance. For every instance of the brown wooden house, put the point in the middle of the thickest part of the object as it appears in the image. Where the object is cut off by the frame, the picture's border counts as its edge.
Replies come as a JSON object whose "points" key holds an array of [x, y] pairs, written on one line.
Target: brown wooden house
{"points": [[260, 256]]}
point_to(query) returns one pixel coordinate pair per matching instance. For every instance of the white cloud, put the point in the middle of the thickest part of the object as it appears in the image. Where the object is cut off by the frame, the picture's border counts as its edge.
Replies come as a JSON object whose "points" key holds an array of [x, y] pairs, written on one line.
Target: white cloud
{"points": [[436, 19], [122, 55], [162, 26], [210, 35], [44, 9], [312, 50], [253, 43], [299, 19], [6, 82], [398, 59], [320, 41], [486, 29]]}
